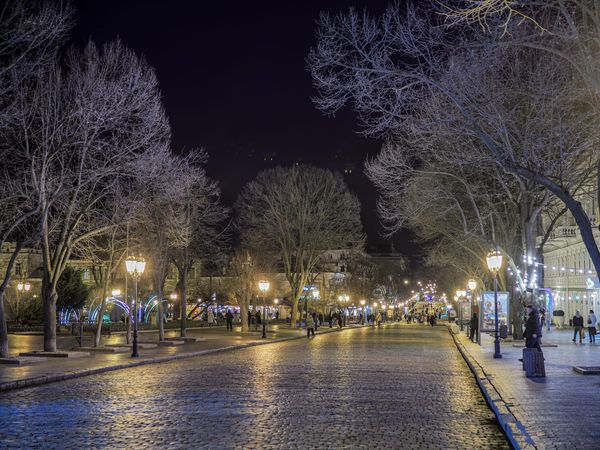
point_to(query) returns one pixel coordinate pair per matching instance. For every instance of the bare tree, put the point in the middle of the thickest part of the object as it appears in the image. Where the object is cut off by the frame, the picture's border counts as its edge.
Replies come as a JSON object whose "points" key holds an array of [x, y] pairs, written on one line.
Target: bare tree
{"points": [[202, 217], [30, 34], [297, 214], [412, 79], [80, 134]]}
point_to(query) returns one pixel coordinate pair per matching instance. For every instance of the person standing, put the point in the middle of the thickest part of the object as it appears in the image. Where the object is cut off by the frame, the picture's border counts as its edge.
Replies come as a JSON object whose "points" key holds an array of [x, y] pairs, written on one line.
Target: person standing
{"points": [[591, 323], [577, 326], [229, 320], [310, 326], [339, 320], [473, 326], [330, 319]]}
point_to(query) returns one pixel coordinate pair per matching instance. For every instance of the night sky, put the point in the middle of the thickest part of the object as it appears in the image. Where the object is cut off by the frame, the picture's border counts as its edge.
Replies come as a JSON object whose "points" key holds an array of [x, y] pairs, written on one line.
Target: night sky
{"points": [[234, 81]]}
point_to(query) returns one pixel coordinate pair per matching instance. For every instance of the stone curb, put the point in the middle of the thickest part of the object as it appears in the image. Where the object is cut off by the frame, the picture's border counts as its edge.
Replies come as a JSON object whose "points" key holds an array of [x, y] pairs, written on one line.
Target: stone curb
{"points": [[45, 379], [513, 428]]}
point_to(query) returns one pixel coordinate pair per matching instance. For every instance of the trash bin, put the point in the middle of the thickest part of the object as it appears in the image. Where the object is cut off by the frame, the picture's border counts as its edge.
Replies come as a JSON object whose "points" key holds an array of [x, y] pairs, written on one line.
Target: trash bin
{"points": [[503, 331]]}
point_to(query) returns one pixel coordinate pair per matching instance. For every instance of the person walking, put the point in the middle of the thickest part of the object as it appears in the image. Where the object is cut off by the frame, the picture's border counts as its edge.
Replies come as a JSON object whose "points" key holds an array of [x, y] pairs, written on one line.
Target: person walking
{"points": [[432, 320], [330, 319], [577, 326], [474, 326], [315, 320], [339, 320], [229, 320], [210, 317], [257, 320], [310, 326], [591, 323], [378, 319]]}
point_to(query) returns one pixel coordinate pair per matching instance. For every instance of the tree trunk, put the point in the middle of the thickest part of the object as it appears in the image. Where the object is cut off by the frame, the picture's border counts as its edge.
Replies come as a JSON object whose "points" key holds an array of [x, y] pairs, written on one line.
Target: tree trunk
{"points": [[244, 307], [101, 310], [159, 316], [294, 318], [49, 297], [3, 327], [183, 299]]}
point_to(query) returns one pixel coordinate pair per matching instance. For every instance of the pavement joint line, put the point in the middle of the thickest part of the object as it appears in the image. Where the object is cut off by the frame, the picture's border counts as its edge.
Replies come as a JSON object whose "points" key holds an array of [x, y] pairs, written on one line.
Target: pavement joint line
{"points": [[514, 429], [53, 378]]}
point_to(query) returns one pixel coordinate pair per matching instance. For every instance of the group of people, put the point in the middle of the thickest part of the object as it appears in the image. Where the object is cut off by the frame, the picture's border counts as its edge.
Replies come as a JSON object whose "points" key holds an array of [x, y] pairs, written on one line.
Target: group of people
{"points": [[579, 328]]}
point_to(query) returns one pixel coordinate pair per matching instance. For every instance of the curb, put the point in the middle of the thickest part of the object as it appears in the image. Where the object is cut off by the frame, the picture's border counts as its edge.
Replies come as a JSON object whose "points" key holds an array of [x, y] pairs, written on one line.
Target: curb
{"points": [[46, 379], [513, 428]]}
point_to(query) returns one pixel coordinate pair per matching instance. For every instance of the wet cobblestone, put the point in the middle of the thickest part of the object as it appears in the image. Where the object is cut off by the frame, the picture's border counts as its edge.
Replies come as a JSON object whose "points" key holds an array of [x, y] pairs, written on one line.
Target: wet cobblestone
{"points": [[397, 387]]}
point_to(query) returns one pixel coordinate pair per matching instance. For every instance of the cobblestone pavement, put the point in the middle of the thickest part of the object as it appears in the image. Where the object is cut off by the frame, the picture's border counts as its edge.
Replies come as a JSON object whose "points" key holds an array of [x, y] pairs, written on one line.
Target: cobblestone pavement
{"points": [[559, 411], [395, 387]]}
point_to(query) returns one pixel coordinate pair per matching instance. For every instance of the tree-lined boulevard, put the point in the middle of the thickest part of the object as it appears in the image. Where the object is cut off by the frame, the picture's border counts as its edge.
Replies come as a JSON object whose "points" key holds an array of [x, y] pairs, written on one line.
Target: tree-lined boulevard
{"points": [[157, 292]]}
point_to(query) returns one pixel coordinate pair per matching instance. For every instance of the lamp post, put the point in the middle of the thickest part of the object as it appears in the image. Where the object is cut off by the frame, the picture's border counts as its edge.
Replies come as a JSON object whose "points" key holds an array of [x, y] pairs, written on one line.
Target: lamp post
{"points": [[364, 312], [472, 285], [264, 287], [460, 294], [21, 286], [135, 267], [494, 263]]}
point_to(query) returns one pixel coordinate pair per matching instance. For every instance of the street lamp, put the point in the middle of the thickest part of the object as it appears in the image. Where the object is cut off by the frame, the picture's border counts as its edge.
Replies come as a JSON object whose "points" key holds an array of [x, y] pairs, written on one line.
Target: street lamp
{"points": [[364, 312], [472, 285], [264, 287], [459, 295], [135, 267], [494, 263], [116, 292]]}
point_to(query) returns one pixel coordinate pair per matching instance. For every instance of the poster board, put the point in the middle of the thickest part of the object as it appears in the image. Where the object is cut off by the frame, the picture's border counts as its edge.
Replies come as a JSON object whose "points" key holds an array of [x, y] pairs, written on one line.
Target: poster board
{"points": [[465, 309], [487, 310]]}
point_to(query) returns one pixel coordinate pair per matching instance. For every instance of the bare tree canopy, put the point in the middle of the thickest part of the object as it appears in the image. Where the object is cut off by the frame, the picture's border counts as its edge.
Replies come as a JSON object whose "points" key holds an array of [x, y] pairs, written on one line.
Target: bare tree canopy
{"points": [[504, 98], [296, 214]]}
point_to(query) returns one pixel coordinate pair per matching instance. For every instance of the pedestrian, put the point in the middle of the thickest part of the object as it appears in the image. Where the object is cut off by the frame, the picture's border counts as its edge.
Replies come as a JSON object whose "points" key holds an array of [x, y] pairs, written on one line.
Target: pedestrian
{"points": [[229, 320], [257, 319], [321, 318], [210, 317], [432, 320], [532, 325], [339, 320], [378, 319], [330, 319], [315, 320], [310, 325], [474, 326], [591, 323], [577, 326]]}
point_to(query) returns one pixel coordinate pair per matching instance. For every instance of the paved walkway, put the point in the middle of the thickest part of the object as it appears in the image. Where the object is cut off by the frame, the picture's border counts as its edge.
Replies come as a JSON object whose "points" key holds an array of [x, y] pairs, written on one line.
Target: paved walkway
{"points": [[395, 387], [560, 411], [53, 369]]}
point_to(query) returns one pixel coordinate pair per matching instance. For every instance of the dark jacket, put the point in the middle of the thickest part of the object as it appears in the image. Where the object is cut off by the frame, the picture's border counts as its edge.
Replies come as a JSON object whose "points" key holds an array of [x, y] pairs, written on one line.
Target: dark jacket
{"points": [[474, 323], [531, 325], [577, 321]]}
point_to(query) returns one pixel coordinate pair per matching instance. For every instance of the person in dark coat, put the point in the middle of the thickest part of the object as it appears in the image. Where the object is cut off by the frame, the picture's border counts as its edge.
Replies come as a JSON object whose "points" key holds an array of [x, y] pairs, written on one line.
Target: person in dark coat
{"points": [[474, 326], [330, 319], [532, 328], [229, 320], [340, 320], [577, 326]]}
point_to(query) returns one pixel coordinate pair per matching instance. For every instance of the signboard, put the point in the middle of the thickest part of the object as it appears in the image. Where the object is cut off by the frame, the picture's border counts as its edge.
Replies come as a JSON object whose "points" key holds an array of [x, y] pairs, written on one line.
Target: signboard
{"points": [[487, 323], [465, 310]]}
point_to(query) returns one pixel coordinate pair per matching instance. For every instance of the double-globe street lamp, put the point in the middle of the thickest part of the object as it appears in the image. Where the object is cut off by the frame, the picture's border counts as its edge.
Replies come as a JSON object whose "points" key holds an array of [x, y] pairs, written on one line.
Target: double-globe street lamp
{"points": [[460, 294], [264, 287], [494, 263], [472, 285], [135, 267]]}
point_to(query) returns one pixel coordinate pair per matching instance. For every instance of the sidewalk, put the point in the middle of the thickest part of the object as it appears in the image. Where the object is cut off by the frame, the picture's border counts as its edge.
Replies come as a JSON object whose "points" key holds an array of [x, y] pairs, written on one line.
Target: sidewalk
{"points": [[558, 411], [57, 369]]}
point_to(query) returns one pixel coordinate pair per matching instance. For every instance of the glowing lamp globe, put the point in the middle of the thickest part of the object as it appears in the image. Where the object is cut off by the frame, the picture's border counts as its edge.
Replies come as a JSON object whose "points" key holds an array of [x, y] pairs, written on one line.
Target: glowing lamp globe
{"points": [[494, 261], [472, 284], [263, 286]]}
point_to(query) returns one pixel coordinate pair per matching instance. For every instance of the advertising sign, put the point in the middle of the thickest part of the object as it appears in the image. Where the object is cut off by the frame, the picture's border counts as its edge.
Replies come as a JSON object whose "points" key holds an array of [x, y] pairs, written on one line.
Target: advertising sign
{"points": [[487, 310], [465, 312]]}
